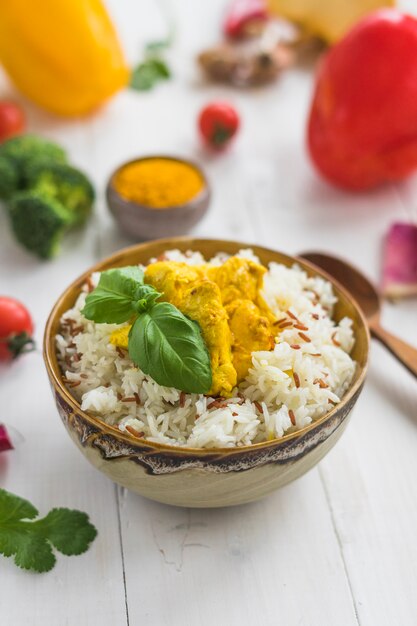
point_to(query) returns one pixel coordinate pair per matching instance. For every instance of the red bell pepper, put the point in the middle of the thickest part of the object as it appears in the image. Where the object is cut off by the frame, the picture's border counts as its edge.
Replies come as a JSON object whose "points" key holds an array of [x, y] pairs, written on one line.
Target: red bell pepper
{"points": [[362, 128]]}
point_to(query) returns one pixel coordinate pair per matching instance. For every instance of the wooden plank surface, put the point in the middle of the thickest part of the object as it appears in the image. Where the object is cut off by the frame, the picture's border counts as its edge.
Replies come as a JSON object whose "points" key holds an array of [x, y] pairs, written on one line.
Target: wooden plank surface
{"points": [[46, 468], [241, 565], [337, 546]]}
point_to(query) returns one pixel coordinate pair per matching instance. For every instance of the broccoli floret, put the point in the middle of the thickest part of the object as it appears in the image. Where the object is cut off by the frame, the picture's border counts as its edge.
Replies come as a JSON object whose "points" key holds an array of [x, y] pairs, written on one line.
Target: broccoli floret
{"points": [[63, 183], [9, 179], [45, 196], [38, 222], [25, 148]]}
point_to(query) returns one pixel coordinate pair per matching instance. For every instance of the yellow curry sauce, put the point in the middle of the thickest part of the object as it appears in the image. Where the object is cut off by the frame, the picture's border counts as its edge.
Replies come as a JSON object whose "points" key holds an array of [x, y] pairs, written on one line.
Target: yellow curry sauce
{"points": [[226, 301]]}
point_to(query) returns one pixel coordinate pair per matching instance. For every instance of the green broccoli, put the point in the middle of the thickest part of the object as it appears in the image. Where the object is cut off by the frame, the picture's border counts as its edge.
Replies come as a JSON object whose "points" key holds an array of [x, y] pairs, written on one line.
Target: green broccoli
{"points": [[9, 179], [63, 183], [38, 222], [25, 148], [45, 196]]}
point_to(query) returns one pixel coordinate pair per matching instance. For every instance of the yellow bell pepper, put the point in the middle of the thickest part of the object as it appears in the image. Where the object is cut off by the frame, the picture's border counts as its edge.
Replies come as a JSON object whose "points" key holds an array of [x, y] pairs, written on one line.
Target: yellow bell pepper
{"points": [[329, 19], [62, 54]]}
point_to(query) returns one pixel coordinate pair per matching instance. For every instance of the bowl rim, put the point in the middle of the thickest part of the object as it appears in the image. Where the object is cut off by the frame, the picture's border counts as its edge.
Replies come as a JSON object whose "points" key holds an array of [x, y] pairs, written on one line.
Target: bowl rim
{"points": [[205, 191], [55, 375]]}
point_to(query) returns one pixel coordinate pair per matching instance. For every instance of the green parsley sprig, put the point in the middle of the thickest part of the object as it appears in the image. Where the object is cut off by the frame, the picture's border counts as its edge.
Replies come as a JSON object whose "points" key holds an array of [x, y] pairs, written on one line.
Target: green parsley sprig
{"points": [[153, 68], [162, 342], [30, 541], [149, 72]]}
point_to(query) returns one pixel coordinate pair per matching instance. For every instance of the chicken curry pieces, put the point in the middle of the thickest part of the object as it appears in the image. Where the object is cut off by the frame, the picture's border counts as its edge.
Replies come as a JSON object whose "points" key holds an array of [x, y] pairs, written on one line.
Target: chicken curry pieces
{"points": [[226, 301]]}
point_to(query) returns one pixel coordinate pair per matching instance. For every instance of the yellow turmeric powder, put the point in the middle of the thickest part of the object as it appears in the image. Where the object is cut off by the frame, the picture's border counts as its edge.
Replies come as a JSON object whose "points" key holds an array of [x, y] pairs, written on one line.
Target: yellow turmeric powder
{"points": [[158, 183]]}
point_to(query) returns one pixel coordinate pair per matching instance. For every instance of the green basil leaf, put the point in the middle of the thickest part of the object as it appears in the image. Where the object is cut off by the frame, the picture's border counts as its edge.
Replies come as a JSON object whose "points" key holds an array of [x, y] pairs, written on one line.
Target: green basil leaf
{"points": [[147, 296], [112, 301], [147, 292], [169, 347]]}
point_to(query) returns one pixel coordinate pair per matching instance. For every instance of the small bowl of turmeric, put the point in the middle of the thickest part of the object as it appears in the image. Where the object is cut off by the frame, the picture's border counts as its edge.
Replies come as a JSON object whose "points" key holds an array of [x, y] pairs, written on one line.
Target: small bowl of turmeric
{"points": [[157, 196]]}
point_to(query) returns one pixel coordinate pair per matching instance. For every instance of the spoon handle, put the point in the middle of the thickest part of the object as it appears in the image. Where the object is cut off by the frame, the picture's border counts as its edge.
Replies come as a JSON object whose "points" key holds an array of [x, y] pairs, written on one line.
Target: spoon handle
{"points": [[403, 351]]}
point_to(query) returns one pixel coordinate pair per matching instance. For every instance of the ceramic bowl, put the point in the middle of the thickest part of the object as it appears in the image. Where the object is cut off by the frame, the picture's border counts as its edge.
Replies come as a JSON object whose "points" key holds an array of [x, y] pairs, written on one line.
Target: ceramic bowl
{"points": [[192, 476], [141, 222]]}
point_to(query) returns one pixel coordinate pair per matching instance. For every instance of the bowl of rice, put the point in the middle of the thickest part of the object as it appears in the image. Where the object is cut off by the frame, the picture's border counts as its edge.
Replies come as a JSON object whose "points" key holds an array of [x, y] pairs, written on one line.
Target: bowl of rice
{"points": [[287, 349]]}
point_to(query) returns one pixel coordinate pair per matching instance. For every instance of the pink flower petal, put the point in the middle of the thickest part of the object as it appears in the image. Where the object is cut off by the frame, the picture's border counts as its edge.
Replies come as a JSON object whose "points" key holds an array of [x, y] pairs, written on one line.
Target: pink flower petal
{"points": [[5, 441], [399, 272]]}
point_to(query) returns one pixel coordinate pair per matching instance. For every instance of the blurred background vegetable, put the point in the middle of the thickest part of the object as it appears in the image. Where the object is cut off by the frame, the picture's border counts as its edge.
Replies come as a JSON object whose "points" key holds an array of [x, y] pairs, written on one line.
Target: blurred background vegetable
{"points": [[9, 179], [149, 72], [10, 438], [18, 154], [38, 223], [16, 329], [246, 64], [5, 440], [245, 18], [12, 119], [153, 67], [362, 129], [256, 48], [329, 19], [399, 273], [218, 123], [45, 196], [65, 56], [63, 183]]}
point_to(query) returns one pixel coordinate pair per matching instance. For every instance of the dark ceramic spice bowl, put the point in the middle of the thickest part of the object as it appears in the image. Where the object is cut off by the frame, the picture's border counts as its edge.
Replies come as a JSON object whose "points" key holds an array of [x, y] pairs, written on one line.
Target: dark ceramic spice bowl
{"points": [[201, 477], [142, 222]]}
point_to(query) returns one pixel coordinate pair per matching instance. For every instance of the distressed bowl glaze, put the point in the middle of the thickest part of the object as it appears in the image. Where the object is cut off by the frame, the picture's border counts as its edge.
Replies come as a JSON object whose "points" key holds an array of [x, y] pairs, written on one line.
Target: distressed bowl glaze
{"points": [[142, 222], [192, 476]]}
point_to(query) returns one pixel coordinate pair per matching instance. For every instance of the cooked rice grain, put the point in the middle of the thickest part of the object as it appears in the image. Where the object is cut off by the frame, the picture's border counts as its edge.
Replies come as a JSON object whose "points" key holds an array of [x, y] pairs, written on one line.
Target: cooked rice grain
{"points": [[306, 373]]}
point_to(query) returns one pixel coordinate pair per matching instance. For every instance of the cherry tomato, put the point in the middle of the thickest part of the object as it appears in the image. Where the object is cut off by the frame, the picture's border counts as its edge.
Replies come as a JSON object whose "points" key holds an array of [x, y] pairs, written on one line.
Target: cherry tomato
{"points": [[218, 123], [12, 119], [16, 328]]}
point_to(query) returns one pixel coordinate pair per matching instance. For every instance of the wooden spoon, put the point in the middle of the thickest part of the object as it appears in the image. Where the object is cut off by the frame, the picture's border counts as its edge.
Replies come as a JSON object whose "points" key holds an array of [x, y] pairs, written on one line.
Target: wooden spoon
{"points": [[369, 300]]}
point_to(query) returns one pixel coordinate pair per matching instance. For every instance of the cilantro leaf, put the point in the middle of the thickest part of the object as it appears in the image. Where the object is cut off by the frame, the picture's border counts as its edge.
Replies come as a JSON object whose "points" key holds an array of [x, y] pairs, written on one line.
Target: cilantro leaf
{"points": [[33, 553], [69, 531], [112, 300], [14, 508], [31, 542]]}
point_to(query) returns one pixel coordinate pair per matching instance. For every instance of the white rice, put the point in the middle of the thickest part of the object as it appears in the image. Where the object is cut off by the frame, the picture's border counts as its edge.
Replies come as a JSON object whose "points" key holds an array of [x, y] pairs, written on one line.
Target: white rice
{"points": [[266, 405]]}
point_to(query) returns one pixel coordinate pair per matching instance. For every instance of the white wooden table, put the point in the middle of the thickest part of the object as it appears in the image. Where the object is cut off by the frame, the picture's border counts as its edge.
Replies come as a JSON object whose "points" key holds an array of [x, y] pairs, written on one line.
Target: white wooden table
{"points": [[337, 547]]}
